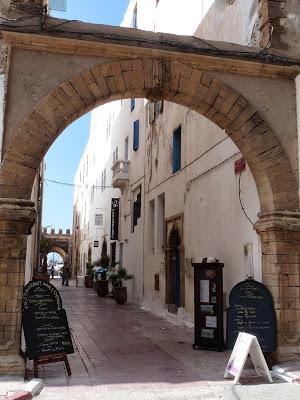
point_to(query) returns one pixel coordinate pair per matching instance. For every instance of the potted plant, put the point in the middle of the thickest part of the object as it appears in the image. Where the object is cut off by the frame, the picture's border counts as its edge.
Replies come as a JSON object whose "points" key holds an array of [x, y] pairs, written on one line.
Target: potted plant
{"points": [[89, 277], [101, 285], [120, 291]]}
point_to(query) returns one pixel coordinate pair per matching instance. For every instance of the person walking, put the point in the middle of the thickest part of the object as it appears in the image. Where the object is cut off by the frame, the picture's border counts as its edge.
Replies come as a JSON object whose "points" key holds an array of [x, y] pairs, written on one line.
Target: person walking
{"points": [[67, 273], [52, 272]]}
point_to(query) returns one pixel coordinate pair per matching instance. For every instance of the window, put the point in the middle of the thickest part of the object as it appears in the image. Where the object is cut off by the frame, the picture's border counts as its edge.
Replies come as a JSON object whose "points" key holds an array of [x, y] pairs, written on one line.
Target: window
{"points": [[136, 207], [98, 219], [92, 194], [115, 155], [126, 149], [176, 150], [134, 17], [154, 108], [136, 134], [160, 223], [103, 180], [151, 226], [132, 104]]}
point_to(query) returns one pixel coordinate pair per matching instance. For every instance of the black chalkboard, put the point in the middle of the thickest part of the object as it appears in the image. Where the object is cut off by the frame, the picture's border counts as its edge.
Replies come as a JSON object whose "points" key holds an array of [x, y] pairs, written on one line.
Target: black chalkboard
{"points": [[44, 321], [251, 310]]}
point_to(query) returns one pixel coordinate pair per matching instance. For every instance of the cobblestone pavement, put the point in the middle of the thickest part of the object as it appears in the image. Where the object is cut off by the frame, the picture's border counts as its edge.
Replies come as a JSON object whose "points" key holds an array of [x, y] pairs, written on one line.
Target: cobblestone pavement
{"points": [[124, 352]]}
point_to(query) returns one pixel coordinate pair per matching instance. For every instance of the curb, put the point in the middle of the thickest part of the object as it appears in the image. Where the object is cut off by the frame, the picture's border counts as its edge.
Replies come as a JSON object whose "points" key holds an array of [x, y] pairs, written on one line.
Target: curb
{"points": [[29, 390]]}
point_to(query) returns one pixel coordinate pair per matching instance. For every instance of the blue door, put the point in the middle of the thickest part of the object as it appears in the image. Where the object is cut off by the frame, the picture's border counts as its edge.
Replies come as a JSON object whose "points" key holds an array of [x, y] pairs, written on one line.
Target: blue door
{"points": [[177, 272]]}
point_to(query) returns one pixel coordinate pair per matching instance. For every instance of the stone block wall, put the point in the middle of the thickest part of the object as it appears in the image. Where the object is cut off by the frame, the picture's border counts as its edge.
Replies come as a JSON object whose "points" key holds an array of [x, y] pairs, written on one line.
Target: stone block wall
{"points": [[280, 24]]}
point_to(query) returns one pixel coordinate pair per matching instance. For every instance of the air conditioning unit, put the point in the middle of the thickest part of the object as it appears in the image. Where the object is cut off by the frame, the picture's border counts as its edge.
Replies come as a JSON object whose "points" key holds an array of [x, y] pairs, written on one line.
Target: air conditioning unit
{"points": [[57, 5]]}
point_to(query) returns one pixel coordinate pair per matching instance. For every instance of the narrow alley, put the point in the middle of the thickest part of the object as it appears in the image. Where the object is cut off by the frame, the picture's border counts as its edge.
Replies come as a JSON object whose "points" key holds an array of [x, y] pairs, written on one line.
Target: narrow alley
{"points": [[124, 352]]}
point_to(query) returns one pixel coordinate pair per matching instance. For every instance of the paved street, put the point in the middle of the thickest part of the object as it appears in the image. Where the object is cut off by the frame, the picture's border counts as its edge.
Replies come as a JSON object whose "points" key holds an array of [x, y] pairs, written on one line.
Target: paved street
{"points": [[123, 352]]}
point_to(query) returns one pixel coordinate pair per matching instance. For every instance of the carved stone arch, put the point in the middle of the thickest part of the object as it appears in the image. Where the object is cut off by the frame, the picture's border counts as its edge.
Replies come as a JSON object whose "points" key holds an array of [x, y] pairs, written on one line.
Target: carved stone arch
{"points": [[177, 82], [60, 251]]}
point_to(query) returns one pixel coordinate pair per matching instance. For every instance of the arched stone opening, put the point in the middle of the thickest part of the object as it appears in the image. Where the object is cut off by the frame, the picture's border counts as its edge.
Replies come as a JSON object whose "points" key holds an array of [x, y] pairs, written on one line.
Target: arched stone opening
{"points": [[184, 84], [59, 251], [154, 79]]}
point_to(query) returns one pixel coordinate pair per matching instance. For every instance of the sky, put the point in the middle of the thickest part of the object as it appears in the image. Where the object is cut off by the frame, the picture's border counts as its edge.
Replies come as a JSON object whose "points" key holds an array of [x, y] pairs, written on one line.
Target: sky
{"points": [[63, 157]]}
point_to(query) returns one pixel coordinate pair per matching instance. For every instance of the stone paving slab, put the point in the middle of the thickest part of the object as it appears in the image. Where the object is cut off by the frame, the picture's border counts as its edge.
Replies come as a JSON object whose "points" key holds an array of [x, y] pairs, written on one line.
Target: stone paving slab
{"points": [[123, 352]]}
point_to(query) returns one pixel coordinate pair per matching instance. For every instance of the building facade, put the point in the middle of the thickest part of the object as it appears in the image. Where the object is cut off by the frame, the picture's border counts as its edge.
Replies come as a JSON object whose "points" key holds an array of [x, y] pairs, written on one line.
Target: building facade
{"points": [[185, 192]]}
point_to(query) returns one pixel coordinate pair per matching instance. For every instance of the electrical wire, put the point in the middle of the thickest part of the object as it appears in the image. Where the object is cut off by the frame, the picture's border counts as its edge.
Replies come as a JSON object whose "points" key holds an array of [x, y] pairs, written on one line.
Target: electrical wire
{"points": [[72, 185], [246, 215]]}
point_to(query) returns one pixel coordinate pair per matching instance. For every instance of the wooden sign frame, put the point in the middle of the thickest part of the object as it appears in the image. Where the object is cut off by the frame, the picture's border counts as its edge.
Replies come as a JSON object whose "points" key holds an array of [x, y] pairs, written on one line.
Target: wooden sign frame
{"points": [[244, 345], [208, 306]]}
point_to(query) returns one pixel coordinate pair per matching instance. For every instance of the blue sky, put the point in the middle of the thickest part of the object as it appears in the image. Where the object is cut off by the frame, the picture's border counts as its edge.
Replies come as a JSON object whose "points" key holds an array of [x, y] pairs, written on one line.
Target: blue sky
{"points": [[63, 157]]}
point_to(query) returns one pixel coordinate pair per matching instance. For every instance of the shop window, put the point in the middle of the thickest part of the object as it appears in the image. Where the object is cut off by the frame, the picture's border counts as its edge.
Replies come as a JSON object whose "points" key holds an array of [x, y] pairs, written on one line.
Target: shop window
{"points": [[176, 150], [136, 134]]}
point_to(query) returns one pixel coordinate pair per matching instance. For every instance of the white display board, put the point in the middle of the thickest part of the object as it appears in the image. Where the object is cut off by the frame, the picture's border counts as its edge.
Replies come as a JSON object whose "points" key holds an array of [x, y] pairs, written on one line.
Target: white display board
{"points": [[246, 344]]}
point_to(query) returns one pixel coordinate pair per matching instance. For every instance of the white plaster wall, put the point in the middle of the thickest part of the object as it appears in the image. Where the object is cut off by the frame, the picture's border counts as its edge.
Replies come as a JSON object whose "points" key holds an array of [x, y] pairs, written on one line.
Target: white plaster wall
{"points": [[97, 155], [214, 224], [229, 22]]}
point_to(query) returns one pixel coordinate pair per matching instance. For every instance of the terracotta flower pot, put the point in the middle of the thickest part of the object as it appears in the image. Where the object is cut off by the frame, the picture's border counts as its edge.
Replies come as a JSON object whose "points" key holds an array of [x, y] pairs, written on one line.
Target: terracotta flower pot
{"points": [[120, 294], [88, 281], [101, 287]]}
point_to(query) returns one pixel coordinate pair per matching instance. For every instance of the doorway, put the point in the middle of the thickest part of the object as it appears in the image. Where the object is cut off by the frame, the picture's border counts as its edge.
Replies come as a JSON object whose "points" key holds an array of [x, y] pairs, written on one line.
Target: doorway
{"points": [[175, 277]]}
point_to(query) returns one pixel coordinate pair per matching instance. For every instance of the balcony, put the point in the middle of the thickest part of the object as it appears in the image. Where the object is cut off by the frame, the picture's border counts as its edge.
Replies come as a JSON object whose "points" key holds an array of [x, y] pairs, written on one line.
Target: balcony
{"points": [[120, 173]]}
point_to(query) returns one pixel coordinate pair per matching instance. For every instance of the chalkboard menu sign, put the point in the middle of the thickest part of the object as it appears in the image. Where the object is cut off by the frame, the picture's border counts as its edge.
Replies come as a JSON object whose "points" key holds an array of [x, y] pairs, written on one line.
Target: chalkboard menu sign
{"points": [[44, 321], [208, 291], [251, 310]]}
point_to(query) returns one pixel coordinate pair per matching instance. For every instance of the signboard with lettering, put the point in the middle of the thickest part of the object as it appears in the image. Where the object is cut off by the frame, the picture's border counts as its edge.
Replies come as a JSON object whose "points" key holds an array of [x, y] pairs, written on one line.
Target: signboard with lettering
{"points": [[114, 227], [251, 310], [44, 321], [246, 344]]}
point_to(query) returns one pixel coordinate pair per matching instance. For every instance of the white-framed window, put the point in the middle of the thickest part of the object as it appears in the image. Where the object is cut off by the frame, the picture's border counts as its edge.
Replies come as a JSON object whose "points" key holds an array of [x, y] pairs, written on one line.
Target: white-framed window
{"points": [[98, 219]]}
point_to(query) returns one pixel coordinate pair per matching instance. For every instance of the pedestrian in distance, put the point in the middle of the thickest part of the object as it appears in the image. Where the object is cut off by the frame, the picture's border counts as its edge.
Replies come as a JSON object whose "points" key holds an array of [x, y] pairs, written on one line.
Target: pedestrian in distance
{"points": [[67, 273], [52, 272]]}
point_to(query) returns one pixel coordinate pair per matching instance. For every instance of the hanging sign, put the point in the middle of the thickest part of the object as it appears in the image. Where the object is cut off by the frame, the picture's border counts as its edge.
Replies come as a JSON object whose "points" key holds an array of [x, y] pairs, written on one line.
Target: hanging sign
{"points": [[244, 345], [44, 321], [114, 226]]}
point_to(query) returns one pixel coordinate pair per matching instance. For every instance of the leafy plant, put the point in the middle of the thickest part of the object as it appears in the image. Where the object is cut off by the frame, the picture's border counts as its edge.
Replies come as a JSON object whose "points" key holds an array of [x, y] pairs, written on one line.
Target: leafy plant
{"points": [[89, 269], [118, 277]]}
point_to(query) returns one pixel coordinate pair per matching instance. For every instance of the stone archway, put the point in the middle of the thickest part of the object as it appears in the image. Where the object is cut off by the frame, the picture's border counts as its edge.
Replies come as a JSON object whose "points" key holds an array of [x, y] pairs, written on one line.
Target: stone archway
{"points": [[158, 79], [124, 72]]}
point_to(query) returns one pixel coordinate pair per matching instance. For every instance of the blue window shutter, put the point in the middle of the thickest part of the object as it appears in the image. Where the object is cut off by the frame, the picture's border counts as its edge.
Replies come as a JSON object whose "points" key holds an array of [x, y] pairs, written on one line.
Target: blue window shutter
{"points": [[176, 150], [136, 134], [132, 104]]}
